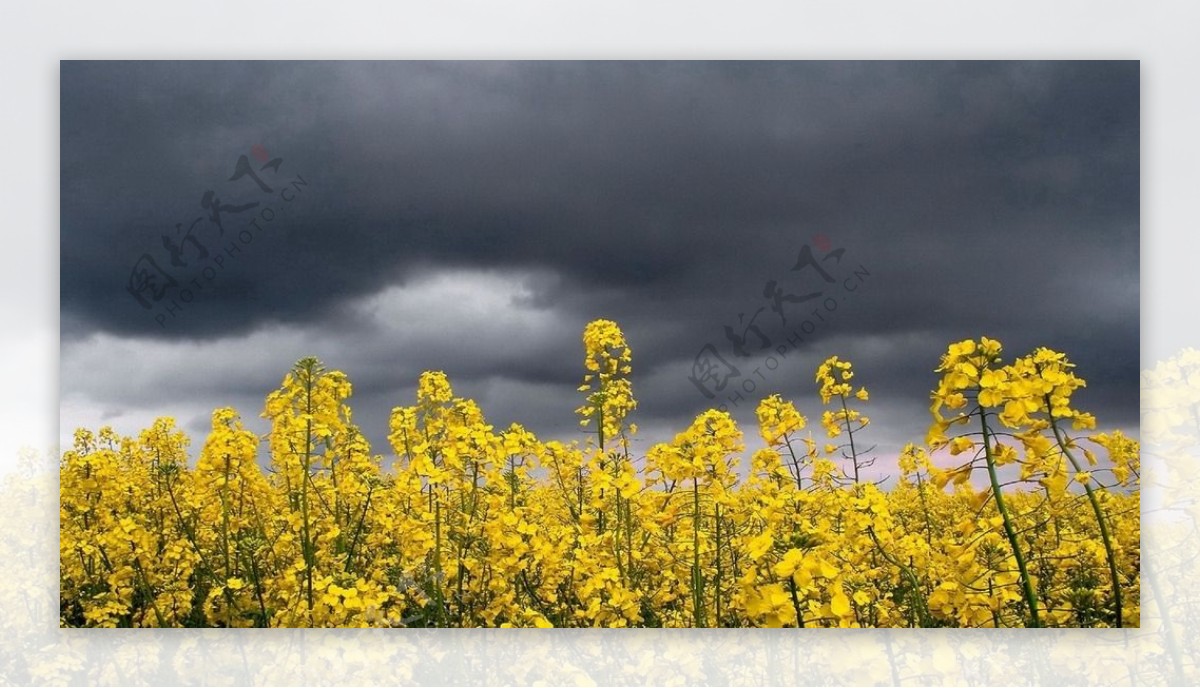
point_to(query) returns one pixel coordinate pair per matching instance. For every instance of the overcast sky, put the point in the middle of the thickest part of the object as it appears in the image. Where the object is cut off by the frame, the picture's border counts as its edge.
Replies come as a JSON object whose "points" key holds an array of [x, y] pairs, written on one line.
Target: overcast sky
{"points": [[473, 217]]}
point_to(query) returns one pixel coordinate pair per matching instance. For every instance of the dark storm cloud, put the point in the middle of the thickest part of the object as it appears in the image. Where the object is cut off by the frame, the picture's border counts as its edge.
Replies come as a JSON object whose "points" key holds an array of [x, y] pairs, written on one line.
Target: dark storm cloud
{"points": [[983, 198]]}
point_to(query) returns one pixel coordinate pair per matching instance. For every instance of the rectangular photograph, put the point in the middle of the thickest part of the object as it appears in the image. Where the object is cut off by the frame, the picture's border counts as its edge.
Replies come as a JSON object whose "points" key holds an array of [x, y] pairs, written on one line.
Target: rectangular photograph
{"points": [[556, 344]]}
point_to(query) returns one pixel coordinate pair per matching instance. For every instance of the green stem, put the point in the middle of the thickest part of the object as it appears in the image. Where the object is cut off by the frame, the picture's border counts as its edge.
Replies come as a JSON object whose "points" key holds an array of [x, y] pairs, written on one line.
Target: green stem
{"points": [[437, 553], [358, 530], [225, 516], [697, 574], [917, 600], [1009, 530], [850, 434], [149, 593], [629, 544], [307, 541], [796, 602], [1100, 520], [925, 508], [717, 580], [795, 461]]}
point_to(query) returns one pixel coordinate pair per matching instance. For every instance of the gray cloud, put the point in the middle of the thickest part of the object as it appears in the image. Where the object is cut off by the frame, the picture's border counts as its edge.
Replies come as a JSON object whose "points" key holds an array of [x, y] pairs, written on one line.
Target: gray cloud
{"points": [[473, 216]]}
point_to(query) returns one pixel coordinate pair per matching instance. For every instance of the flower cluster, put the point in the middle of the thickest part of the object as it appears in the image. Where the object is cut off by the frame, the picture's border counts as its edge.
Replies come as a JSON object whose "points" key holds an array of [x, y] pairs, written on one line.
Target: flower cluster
{"points": [[1031, 398], [608, 390], [1004, 517], [833, 378]]}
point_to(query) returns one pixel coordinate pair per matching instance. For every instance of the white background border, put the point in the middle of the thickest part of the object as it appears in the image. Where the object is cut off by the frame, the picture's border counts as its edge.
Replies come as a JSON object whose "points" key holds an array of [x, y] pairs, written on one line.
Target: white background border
{"points": [[35, 36]]}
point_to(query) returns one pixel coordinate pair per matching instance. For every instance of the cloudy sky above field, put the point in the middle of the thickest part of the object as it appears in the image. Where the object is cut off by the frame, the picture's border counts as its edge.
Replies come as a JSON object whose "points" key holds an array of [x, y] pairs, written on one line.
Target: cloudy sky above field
{"points": [[473, 217]]}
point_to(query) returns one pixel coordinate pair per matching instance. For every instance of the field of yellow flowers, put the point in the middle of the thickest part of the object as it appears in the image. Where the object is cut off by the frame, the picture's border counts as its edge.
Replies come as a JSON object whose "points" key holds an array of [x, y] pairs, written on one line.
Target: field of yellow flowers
{"points": [[1013, 511]]}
